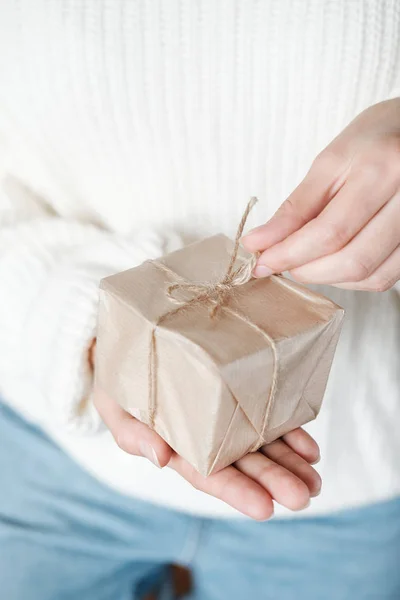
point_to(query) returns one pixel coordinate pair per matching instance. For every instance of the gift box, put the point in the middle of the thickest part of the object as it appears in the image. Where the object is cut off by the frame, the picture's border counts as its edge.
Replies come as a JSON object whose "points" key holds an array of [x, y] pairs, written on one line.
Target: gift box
{"points": [[216, 368]]}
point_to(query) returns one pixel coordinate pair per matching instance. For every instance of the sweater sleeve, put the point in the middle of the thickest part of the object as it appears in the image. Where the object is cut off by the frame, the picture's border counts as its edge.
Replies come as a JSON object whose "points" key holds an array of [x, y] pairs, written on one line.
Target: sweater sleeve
{"points": [[49, 274]]}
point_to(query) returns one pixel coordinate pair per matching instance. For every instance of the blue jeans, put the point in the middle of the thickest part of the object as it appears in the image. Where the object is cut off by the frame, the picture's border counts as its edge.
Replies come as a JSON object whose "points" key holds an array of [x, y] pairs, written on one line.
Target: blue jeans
{"points": [[65, 536]]}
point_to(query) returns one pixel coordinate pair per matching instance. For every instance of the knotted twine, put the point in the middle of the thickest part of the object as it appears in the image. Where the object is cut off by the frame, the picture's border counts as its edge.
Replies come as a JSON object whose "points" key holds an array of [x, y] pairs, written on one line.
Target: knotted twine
{"points": [[216, 294]]}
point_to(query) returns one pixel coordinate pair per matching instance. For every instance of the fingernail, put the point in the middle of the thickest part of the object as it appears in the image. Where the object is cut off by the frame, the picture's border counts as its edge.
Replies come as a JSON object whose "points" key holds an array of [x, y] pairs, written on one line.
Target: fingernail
{"points": [[148, 452], [300, 508], [316, 461], [262, 271], [254, 513]]}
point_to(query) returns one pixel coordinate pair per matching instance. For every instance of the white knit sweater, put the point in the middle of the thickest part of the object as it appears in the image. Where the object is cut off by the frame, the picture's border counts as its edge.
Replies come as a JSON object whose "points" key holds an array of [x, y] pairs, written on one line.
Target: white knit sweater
{"points": [[123, 121]]}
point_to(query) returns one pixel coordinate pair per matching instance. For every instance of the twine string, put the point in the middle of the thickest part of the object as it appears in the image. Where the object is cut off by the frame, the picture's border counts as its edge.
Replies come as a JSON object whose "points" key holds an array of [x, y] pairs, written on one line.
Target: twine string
{"points": [[216, 294]]}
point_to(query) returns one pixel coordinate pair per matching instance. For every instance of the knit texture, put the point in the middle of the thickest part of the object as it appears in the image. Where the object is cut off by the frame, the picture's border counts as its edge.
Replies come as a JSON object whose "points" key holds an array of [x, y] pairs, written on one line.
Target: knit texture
{"points": [[123, 120]]}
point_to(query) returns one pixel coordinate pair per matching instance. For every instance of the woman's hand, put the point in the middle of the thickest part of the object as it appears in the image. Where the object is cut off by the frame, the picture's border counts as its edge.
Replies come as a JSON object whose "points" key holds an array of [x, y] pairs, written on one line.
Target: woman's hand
{"points": [[279, 471], [341, 225]]}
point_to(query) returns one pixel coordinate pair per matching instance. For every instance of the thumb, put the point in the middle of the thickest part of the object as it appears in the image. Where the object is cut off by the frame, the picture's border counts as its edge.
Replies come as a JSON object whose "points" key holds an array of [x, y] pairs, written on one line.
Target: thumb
{"points": [[309, 198], [131, 435]]}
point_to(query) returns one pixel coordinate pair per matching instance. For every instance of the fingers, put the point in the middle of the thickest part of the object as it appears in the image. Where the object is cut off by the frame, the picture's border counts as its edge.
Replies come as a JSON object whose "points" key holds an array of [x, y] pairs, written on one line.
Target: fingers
{"points": [[249, 486], [343, 217], [306, 202], [231, 486], [281, 484], [284, 456], [384, 278], [363, 255], [335, 227], [303, 444], [276, 472], [131, 435]]}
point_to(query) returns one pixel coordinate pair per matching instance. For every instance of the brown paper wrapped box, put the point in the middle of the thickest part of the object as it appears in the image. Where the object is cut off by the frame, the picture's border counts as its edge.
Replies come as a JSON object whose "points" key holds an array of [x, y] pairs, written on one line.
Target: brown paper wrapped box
{"points": [[217, 387]]}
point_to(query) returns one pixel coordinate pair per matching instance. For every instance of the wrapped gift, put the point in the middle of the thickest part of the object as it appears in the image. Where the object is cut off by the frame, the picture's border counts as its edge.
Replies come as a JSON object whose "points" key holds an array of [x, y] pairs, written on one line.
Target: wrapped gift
{"points": [[217, 362]]}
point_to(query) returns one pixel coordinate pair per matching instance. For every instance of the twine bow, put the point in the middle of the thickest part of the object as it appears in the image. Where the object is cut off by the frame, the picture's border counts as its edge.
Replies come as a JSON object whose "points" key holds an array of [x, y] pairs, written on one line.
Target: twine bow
{"points": [[216, 294]]}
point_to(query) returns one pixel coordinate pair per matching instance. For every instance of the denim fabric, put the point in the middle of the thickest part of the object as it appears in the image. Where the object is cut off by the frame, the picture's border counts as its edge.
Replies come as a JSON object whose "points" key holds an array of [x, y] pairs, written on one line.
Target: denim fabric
{"points": [[65, 536]]}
